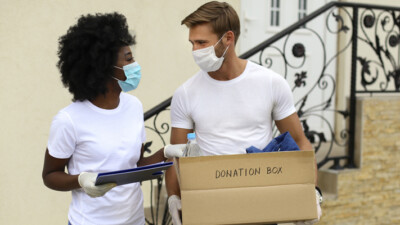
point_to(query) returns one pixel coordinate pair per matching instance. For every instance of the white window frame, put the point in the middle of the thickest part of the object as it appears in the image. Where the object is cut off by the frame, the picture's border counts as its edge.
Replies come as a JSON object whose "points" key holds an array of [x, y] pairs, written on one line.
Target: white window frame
{"points": [[302, 10], [275, 13]]}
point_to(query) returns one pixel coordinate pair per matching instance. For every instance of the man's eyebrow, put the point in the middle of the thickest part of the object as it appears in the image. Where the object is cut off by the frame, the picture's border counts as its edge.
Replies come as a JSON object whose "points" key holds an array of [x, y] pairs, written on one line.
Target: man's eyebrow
{"points": [[200, 40], [128, 53]]}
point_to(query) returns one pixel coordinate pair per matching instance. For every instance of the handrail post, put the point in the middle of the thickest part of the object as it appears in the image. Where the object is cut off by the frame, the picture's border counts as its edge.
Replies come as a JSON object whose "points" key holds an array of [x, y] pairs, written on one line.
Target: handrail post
{"points": [[352, 122]]}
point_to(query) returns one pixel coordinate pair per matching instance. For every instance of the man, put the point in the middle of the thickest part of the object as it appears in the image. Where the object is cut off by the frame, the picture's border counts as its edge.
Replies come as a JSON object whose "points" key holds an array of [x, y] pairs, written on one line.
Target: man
{"points": [[230, 103]]}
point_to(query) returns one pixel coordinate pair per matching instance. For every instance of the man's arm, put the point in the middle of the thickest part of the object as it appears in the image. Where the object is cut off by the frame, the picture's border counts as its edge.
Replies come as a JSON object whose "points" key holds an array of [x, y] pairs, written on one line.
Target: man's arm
{"points": [[178, 136], [293, 126]]}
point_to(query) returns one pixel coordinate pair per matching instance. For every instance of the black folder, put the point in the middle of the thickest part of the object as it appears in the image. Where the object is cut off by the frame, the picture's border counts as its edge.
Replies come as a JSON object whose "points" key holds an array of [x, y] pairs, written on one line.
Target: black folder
{"points": [[137, 174]]}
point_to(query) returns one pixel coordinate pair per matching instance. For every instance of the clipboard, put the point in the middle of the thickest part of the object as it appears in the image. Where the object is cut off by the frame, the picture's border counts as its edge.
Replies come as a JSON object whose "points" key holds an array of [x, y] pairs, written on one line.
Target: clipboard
{"points": [[137, 174]]}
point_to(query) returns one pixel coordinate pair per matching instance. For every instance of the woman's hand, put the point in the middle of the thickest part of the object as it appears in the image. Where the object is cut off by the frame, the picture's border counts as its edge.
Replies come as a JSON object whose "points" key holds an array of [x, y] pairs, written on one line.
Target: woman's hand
{"points": [[171, 151], [87, 182]]}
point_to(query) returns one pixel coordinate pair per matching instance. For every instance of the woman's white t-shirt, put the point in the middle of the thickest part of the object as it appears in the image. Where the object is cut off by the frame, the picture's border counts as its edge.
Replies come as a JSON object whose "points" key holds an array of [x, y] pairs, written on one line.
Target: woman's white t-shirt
{"points": [[230, 116], [100, 140]]}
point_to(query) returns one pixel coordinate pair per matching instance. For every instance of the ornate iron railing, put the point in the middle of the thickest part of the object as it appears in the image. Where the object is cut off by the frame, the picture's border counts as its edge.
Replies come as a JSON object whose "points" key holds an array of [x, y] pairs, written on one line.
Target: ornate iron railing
{"points": [[370, 36]]}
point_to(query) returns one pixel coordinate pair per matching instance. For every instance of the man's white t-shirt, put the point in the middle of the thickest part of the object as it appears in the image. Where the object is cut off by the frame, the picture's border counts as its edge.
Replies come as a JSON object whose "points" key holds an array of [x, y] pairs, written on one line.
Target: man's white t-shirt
{"points": [[230, 116], [100, 140]]}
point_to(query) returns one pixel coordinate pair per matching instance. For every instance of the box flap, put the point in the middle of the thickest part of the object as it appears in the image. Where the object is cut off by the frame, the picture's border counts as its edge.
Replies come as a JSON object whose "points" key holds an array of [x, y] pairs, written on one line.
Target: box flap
{"points": [[247, 170]]}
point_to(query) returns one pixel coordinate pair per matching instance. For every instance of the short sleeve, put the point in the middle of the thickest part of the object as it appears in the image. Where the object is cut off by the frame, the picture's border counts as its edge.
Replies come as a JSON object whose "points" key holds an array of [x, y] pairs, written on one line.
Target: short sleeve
{"points": [[62, 138], [180, 114], [283, 99]]}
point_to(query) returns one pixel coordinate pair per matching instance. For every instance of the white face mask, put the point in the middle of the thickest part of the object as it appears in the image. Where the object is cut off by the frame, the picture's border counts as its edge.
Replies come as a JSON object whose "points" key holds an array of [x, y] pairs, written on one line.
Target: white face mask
{"points": [[206, 59]]}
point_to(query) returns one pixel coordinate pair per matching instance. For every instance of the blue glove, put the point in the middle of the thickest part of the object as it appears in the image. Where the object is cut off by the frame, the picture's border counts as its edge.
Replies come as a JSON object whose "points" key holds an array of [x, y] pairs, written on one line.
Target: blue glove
{"points": [[283, 142]]}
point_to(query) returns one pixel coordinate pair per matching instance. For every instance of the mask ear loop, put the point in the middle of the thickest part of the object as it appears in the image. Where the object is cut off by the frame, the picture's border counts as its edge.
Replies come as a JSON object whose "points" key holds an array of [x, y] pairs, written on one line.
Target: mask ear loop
{"points": [[220, 39], [115, 77], [225, 51], [226, 47]]}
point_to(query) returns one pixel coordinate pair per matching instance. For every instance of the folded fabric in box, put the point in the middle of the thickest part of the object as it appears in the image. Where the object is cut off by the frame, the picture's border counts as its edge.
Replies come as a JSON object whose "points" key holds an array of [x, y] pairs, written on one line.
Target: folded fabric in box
{"points": [[283, 142]]}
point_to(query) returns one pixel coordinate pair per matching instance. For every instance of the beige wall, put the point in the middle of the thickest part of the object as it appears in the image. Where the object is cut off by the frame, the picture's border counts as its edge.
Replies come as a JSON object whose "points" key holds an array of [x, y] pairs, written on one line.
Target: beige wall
{"points": [[31, 92]]}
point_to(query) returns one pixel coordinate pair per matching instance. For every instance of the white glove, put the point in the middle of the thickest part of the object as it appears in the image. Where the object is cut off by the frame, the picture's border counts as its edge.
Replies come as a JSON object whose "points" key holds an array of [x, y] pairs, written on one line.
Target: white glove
{"points": [[87, 180], [319, 212], [174, 206], [171, 151]]}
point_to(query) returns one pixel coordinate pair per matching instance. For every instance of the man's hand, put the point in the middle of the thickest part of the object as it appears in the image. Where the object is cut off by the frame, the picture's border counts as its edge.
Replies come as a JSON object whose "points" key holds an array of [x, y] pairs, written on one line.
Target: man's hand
{"points": [[86, 181], [319, 211], [171, 151], [174, 204]]}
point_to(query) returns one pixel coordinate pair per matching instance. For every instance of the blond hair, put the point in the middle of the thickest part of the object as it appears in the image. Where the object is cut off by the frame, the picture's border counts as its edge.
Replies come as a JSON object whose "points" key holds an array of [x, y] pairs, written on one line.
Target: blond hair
{"points": [[220, 15]]}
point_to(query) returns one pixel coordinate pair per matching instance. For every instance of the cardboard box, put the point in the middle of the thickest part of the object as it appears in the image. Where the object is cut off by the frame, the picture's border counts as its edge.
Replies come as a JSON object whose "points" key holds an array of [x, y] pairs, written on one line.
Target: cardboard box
{"points": [[257, 188]]}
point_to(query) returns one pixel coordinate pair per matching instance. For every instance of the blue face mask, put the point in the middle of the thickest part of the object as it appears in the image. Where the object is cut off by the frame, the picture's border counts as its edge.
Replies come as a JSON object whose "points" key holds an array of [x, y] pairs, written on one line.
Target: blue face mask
{"points": [[133, 75]]}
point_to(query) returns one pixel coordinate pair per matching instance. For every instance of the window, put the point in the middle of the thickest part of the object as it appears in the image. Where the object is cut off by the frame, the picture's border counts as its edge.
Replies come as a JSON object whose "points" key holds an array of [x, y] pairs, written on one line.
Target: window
{"points": [[302, 9], [275, 8]]}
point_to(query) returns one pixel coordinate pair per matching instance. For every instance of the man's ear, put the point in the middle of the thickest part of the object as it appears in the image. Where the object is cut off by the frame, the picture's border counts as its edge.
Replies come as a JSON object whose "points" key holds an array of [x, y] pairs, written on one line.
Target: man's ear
{"points": [[230, 37]]}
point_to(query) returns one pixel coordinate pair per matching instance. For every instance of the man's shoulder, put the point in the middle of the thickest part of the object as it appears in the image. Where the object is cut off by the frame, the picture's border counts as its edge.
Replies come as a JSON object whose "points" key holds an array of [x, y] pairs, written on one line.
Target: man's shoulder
{"points": [[190, 83], [195, 78], [257, 70]]}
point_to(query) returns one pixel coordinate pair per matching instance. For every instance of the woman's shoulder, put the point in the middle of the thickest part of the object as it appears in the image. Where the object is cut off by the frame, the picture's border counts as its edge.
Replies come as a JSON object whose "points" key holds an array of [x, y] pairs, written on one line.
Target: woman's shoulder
{"points": [[130, 100]]}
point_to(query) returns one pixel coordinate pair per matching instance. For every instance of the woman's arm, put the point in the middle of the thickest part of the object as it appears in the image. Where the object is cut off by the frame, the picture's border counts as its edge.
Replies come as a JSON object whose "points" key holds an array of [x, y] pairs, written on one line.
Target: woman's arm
{"points": [[169, 151], [155, 158], [54, 176]]}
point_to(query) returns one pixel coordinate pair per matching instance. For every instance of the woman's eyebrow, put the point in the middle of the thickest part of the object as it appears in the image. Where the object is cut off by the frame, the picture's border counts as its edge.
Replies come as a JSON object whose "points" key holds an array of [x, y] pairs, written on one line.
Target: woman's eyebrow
{"points": [[128, 55]]}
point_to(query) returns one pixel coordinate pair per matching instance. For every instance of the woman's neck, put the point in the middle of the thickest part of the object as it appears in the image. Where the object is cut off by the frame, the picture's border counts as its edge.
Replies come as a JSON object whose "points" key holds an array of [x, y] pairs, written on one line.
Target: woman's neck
{"points": [[106, 101], [110, 100]]}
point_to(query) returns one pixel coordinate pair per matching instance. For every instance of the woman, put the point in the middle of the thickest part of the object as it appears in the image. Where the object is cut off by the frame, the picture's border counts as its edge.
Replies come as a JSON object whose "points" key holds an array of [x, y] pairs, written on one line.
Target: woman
{"points": [[102, 129]]}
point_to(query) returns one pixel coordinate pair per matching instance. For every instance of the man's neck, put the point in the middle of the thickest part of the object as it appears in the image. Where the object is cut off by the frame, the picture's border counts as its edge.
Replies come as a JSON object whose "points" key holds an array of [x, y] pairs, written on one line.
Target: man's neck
{"points": [[230, 69]]}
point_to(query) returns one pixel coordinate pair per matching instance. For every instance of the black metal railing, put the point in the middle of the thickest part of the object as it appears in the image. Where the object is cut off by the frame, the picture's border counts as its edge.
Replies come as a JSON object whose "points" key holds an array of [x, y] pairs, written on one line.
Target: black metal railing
{"points": [[370, 37]]}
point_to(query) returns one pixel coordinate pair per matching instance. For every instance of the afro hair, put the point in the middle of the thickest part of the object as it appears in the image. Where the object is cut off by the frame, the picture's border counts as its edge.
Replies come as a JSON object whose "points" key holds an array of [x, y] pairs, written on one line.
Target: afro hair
{"points": [[88, 52]]}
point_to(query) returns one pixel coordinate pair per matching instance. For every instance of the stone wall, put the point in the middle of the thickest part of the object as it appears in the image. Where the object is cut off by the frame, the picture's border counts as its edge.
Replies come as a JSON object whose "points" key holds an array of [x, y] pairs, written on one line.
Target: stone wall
{"points": [[371, 193]]}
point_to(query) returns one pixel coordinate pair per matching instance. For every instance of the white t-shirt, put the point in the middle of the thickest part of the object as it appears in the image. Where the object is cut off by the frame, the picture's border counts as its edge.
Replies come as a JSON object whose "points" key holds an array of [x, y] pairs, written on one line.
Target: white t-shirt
{"points": [[230, 116], [100, 140]]}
